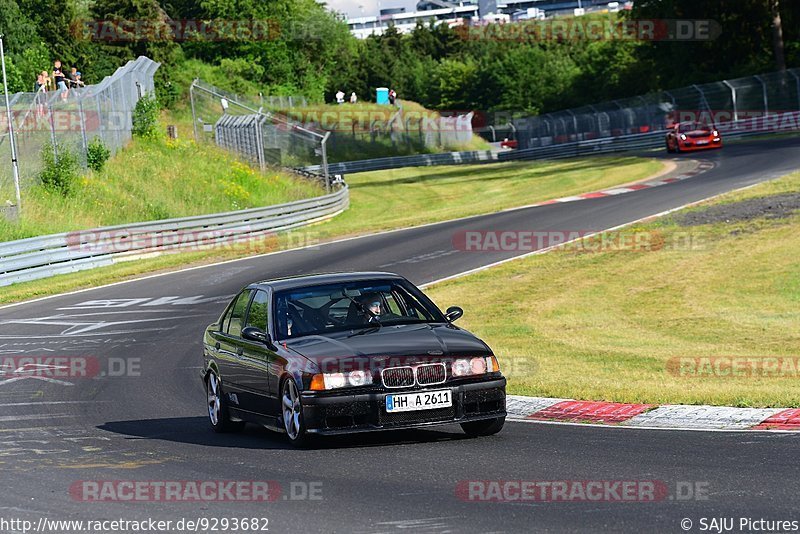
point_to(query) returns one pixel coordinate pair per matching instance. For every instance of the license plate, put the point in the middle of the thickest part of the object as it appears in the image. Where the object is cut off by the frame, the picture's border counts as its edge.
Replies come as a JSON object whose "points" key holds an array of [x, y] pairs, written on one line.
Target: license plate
{"points": [[424, 400], [702, 142]]}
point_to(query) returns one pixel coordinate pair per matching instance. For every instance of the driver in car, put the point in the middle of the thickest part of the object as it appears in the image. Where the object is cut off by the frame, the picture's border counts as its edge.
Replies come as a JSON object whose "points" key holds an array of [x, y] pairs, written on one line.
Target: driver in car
{"points": [[373, 303]]}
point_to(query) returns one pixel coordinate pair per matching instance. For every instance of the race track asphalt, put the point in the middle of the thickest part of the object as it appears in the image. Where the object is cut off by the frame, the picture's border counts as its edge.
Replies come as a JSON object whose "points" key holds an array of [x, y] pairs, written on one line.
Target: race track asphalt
{"points": [[148, 424]]}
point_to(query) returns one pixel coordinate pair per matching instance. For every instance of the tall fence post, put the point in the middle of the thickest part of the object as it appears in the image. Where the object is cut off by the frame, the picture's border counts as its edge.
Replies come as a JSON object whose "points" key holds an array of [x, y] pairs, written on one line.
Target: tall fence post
{"points": [[764, 92], [703, 100], [260, 141], [325, 162], [733, 99], [194, 115], [797, 81], [83, 127], [574, 123], [52, 132], [101, 125], [9, 117]]}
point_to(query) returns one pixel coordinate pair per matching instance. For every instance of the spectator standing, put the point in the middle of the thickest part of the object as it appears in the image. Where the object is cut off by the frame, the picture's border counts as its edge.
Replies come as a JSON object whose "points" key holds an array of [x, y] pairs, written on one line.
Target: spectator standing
{"points": [[353, 98], [48, 82], [59, 79], [339, 97], [392, 96], [74, 78], [42, 81]]}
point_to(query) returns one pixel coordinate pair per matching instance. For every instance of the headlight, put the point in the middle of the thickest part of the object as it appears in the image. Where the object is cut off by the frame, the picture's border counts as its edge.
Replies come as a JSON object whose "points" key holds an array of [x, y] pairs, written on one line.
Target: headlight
{"points": [[475, 366], [340, 380], [683, 137], [359, 378], [715, 133]]}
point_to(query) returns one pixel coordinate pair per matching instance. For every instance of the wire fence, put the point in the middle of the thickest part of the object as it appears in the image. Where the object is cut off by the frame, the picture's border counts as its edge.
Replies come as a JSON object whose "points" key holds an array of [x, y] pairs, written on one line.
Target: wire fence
{"points": [[69, 121], [762, 97], [292, 129], [390, 131], [258, 136]]}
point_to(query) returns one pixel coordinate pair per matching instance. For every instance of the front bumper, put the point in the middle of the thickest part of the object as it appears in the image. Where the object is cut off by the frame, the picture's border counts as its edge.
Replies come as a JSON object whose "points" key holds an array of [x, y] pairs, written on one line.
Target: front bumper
{"points": [[329, 414], [688, 146]]}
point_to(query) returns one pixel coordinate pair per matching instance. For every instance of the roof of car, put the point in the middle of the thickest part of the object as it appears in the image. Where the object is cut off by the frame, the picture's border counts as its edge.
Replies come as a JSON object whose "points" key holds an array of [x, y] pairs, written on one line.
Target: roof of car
{"points": [[293, 282]]}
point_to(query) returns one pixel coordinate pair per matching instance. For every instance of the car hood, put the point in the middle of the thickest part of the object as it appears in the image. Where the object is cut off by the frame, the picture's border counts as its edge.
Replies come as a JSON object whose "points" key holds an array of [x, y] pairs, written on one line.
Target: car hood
{"points": [[389, 346], [699, 133]]}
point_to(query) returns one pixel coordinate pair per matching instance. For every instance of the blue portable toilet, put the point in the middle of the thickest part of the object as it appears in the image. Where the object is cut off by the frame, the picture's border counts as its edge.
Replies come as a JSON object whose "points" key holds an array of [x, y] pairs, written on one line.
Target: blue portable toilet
{"points": [[382, 95]]}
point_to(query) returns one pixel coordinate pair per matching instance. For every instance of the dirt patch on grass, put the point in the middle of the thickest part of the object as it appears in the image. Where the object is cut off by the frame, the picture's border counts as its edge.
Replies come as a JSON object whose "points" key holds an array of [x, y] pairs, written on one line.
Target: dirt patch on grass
{"points": [[772, 207]]}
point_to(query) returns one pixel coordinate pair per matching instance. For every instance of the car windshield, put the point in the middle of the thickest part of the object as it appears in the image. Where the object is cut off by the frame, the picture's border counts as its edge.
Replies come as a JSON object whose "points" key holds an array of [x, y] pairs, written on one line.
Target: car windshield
{"points": [[349, 306], [693, 126]]}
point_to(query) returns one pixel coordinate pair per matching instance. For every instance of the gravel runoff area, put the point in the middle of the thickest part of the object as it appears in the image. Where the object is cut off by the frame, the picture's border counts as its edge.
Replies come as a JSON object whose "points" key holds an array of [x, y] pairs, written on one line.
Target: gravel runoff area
{"points": [[771, 207]]}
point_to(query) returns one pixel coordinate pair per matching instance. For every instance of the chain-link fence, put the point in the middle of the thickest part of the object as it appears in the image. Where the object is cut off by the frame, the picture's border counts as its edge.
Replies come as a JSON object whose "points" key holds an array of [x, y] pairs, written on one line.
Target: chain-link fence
{"points": [[763, 96], [358, 133], [257, 136], [68, 121]]}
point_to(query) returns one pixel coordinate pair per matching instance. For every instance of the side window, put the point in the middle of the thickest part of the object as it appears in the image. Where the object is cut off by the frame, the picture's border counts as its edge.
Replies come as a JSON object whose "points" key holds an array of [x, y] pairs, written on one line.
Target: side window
{"points": [[258, 311], [223, 323], [237, 313], [394, 307]]}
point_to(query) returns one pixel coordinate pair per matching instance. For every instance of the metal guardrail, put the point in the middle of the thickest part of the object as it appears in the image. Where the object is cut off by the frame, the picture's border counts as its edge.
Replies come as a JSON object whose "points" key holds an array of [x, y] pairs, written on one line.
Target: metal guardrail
{"points": [[585, 148], [45, 256], [418, 160]]}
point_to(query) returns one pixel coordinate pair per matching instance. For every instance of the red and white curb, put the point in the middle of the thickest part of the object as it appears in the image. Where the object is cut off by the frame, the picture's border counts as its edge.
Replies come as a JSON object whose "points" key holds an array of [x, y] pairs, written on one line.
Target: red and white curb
{"points": [[668, 416], [701, 167]]}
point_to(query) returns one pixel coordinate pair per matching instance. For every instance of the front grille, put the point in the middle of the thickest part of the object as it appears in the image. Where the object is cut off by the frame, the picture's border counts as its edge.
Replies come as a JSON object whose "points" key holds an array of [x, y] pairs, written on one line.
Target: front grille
{"points": [[398, 377], [422, 416], [433, 373]]}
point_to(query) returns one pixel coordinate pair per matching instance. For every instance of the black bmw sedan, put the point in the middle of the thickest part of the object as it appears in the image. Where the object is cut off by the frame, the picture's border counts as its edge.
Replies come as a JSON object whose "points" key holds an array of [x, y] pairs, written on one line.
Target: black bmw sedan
{"points": [[348, 352]]}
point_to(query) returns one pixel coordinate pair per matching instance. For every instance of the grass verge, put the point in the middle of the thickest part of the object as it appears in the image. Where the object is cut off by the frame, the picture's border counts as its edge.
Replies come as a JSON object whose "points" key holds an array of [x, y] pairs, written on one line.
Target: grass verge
{"points": [[388, 200], [384, 200], [651, 324], [154, 179]]}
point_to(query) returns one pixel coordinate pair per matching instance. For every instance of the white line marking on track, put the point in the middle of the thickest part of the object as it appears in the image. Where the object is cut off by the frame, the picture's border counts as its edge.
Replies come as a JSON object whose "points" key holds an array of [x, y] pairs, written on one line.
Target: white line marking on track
{"points": [[595, 425]]}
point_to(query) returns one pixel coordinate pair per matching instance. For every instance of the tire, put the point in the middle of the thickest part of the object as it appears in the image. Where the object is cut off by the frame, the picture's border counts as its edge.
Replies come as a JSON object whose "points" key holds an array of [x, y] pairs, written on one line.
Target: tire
{"points": [[487, 427], [218, 415], [292, 414], [669, 148]]}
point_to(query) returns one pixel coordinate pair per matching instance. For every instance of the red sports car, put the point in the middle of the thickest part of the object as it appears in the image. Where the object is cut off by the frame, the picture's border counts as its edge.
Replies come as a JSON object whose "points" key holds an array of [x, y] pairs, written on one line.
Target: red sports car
{"points": [[508, 143], [687, 136]]}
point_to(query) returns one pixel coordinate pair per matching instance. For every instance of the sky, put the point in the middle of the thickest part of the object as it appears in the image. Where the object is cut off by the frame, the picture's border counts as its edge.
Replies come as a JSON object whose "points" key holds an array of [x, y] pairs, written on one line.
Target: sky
{"points": [[352, 8]]}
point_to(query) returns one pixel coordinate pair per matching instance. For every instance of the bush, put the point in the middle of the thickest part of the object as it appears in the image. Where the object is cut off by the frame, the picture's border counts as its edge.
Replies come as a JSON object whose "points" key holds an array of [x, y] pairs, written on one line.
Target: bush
{"points": [[97, 153], [145, 117], [60, 175]]}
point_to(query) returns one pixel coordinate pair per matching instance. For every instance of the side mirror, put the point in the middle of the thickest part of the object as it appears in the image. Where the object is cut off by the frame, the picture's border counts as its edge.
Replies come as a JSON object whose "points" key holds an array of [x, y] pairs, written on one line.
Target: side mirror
{"points": [[251, 333], [453, 313]]}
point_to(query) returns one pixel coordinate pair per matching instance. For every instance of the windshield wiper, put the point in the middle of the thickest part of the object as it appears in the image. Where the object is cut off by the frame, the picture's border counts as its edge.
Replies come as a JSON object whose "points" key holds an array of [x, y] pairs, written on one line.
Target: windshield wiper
{"points": [[366, 329]]}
